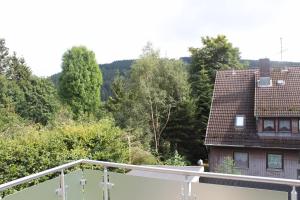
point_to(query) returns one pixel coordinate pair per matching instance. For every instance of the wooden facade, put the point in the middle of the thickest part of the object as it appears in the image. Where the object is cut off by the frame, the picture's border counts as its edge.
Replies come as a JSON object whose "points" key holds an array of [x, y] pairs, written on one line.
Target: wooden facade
{"points": [[258, 161]]}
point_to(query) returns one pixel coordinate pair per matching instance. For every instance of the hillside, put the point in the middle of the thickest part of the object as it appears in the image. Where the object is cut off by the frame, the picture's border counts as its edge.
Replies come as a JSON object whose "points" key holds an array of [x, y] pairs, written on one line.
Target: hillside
{"points": [[123, 66]]}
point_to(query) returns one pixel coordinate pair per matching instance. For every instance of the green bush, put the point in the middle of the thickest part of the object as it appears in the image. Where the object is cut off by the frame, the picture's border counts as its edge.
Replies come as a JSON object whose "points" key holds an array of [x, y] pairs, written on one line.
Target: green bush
{"points": [[176, 160], [35, 151], [141, 157]]}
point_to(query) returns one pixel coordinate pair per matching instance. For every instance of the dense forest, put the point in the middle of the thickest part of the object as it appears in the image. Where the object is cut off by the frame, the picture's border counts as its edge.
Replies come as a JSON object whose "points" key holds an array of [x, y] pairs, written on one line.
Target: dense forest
{"points": [[153, 110], [110, 70]]}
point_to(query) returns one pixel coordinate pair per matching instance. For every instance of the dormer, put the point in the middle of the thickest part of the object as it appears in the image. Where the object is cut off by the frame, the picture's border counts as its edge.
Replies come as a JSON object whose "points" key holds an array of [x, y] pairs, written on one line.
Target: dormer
{"points": [[277, 105]]}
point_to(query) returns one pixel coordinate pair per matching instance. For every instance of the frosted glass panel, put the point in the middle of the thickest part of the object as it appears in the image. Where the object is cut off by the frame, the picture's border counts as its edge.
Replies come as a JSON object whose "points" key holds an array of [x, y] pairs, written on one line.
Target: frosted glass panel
{"points": [[217, 192], [128, 187], [73, 187], [42, 191], [93, 188]]}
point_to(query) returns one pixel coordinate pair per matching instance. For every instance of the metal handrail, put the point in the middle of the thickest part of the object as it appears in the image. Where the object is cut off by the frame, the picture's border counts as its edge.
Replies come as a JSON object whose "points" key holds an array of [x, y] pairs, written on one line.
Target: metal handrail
{"points": [[289, 182], [38, 175]]}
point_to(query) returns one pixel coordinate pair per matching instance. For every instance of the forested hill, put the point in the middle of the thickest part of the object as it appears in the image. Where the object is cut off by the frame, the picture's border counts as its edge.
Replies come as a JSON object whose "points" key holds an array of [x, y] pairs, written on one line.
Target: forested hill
{"points": [[123, 66]]}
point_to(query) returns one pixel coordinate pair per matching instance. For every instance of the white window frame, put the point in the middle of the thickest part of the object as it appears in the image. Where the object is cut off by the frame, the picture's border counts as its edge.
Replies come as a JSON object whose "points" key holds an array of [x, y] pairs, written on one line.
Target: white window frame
{"points": [[239, 121]]}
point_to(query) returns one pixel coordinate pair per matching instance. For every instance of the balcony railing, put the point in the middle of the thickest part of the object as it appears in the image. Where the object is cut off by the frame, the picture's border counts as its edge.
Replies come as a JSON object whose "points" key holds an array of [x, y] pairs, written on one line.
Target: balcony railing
{"points": [[89, 184]]}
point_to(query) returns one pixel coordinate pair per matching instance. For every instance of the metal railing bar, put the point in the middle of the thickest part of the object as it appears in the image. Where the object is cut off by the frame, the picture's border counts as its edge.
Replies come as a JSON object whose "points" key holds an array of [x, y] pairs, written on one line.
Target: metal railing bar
{"points": [[38, 175], [281, 181]]}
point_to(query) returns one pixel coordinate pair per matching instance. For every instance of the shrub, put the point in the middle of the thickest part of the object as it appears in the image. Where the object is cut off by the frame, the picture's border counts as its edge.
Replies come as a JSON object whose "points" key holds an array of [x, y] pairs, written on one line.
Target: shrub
{"points": [[176, 160], [29, 153], [141, 157]]}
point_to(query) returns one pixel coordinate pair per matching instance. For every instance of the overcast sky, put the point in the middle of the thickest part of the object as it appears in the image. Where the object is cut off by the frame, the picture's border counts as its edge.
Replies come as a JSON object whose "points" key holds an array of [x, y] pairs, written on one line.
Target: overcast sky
{"points": [[42, 30]]}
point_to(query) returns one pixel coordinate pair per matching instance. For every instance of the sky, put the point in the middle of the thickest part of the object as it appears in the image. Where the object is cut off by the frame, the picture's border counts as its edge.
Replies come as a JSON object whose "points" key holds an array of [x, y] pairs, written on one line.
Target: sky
{"points": [[42, 30]]}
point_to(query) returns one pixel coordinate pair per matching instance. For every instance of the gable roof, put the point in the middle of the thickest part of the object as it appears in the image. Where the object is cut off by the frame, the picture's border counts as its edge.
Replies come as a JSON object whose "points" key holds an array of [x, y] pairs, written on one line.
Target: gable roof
{"points": [[279, 100], [237, 94]]}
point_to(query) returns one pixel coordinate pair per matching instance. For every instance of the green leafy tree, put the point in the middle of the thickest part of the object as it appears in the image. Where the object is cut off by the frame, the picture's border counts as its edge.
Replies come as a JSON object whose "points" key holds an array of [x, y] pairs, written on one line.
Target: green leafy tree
{"points": [[145, 101], [3, 56], [17, 69], [182, 132], [160, 85], [31, 97], [41, 101], [216, 54], [118, 103], [80, 81], [202, 94], [10, 94]]}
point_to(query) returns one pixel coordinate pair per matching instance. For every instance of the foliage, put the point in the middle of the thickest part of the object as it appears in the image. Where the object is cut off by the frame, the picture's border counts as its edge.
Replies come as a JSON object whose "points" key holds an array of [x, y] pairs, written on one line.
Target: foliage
{"points": [[31, 97], [35, 151], [176, 160], [216, 54], [10, 122], [149, 95], [228, 167], [139, 156], [182, 132], [17, 69], [80, 81], [202, 94], [41, 101], [3, 56], [10, 94]]}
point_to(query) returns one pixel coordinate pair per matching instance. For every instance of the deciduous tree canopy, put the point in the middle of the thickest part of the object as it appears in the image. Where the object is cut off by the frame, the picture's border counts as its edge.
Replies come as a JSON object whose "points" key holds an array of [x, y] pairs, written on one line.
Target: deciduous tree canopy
{"points": [[80, 81]]}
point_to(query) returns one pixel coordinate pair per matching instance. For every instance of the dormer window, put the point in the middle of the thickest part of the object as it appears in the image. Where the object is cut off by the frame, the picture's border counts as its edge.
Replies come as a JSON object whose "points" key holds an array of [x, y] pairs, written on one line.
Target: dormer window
{"points": [[240, 121], [284, 125], [269, 125]]}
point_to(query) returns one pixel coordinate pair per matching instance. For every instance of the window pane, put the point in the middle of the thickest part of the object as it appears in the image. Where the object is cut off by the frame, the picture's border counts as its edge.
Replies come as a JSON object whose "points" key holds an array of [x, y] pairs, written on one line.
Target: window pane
{"points": [[241, 159], [239, 121], [284, 125], [268, 125], [274, 161]]}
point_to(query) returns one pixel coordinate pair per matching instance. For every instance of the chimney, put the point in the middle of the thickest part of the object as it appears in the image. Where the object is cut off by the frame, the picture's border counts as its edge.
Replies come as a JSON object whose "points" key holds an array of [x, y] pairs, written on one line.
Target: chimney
{"points": [[265, 73], [264, 67]]}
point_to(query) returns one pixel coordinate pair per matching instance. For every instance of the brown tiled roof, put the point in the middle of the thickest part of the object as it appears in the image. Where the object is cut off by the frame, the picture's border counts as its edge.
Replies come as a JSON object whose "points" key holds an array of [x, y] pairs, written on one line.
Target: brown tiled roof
{"points": [[234, 94], [279, 100]]}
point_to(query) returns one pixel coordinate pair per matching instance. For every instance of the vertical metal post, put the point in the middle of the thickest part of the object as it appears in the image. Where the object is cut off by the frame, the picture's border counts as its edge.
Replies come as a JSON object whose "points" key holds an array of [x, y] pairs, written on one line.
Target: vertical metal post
{"points": [[62, 185], [105, 187], [294, 194], [186, 188]]}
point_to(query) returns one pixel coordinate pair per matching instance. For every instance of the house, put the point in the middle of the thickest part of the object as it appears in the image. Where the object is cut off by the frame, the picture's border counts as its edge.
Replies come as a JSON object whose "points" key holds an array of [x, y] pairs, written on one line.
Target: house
{"points": [[255, 120]]}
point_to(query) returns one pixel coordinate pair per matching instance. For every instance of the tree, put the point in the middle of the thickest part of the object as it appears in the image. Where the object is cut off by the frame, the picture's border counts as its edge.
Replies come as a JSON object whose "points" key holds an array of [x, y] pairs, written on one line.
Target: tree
{"points": [[182, 132], [202, 92], [41, 101], [30, 97], [80, 81], [216, 54], [3, 56], [159, 85], [17, 69], [10, 94]]}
